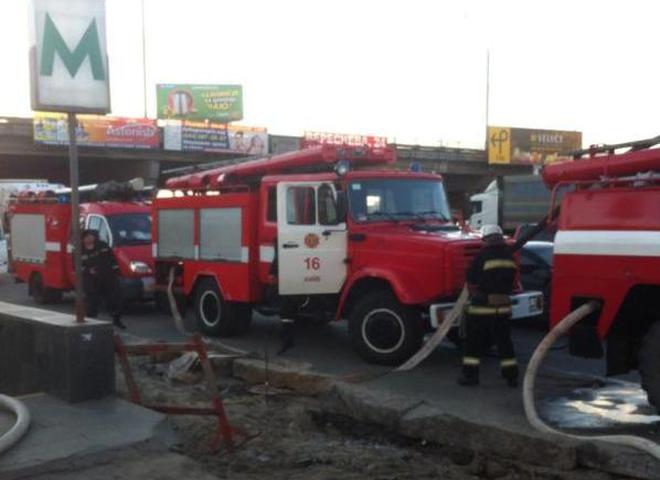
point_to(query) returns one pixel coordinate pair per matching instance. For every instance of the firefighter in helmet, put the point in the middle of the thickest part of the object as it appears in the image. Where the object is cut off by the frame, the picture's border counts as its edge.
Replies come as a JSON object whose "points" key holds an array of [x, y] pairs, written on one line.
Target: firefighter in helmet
{"points": [[100, 278], [490, 280]]}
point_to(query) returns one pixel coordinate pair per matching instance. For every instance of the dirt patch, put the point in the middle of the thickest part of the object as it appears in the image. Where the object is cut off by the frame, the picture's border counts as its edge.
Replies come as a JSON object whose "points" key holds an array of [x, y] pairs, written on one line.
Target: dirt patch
{"points": [[295, 439]]}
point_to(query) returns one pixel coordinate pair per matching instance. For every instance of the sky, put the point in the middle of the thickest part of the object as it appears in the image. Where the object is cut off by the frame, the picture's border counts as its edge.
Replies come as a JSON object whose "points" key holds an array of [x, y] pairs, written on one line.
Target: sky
{"points": [[412, 70]]}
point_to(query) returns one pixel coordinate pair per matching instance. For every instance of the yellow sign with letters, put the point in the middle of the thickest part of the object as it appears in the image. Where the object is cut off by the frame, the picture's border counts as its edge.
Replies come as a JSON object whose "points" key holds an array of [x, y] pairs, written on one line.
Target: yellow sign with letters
{"points": [[499, 145]]}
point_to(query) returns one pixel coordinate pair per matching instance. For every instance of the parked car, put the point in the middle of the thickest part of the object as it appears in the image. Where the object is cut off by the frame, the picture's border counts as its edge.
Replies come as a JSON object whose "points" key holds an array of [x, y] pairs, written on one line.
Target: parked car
{"points": [[536, 269]]}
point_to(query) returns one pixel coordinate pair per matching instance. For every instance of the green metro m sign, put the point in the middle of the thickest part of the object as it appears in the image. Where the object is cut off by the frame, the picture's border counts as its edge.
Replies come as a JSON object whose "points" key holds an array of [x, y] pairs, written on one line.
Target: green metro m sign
{"points": [[88, 47], [69, 66]]}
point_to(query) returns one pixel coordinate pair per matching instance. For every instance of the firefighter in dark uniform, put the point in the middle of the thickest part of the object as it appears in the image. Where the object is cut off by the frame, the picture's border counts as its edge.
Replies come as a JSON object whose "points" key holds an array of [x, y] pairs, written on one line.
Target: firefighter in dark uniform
{"points": [[100, 278], [490, 279]]}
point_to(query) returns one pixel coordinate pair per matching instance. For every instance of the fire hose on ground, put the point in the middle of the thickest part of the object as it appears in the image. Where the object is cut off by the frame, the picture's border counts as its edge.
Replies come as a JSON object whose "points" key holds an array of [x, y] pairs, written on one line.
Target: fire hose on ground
{"points": [[20, 427], [560, 329]]}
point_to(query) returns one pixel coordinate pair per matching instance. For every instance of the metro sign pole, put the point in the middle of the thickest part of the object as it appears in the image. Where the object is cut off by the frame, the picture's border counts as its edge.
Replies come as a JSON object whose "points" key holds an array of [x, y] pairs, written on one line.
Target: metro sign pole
{"points": [[69, 73]]}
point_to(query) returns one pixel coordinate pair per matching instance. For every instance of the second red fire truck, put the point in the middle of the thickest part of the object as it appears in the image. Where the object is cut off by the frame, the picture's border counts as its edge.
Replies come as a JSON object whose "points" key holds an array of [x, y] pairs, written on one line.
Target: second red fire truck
{"points": [[40, 243], [375, 246]]}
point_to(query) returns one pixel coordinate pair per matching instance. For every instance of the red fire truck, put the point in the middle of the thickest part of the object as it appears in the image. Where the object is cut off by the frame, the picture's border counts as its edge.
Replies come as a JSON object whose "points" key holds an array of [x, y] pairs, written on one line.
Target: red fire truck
{"points": [[374, 246], [40, 247], [607, 249]]}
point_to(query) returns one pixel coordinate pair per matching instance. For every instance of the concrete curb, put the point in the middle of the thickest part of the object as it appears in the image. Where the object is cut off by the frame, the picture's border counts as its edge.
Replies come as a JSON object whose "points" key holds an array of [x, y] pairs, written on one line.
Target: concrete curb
{"points": [[416, 419], [419, 420]]}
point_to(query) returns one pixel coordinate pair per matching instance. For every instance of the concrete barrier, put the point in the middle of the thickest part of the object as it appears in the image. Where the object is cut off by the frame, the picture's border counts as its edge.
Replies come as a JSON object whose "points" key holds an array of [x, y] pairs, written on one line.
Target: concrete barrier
{"points": [[45, 351]]}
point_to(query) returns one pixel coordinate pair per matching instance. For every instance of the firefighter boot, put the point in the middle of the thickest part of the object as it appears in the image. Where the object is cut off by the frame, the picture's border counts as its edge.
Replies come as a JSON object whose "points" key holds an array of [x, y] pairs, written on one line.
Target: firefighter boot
{"points": [[286, 335], [510, 372]]}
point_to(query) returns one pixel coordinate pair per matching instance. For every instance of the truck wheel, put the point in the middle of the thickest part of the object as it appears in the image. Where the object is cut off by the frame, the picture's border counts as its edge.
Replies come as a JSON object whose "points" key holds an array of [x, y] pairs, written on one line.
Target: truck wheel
{"points": [[214, 315], [41, 294], [383, 331], [649, 364]]}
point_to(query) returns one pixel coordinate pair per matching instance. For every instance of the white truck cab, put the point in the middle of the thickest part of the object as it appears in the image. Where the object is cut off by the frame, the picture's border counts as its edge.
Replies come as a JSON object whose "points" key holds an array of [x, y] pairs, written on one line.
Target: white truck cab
{"points": [[484, 207]]}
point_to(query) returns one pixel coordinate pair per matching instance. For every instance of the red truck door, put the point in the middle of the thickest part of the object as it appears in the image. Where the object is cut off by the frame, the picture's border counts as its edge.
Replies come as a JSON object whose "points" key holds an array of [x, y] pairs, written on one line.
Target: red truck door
{"points": [[311, 239]]}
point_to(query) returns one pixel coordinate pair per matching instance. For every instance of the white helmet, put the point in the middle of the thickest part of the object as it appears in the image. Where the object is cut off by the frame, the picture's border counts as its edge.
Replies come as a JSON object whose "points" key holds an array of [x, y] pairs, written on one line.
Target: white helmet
{"points": [[488, 230]]}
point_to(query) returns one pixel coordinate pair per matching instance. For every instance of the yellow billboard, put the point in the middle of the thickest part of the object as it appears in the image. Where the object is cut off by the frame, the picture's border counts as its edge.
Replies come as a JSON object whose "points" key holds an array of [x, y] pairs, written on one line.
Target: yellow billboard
{"points": [[507, 145], [499, 145]]}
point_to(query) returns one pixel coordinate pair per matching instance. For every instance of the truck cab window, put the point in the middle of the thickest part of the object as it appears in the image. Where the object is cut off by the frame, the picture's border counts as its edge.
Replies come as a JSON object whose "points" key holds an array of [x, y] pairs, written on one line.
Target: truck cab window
{"points": [[397, 199], [327, 206], [94, 223], [476, 207], [104, 233], [129, 228], [301, 206]]}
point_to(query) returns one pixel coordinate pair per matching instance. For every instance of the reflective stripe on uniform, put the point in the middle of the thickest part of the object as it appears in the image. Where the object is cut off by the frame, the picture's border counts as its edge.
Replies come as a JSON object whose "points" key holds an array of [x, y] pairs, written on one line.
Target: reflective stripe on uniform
{"points": [[287, 320], [508, 362], [490, 264], [471, 361], [480, 310]]}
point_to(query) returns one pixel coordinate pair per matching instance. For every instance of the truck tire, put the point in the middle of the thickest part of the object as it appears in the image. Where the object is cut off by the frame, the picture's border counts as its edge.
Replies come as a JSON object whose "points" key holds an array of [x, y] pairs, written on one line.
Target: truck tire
{"points": [[649, 364], [215, 316], [43, 295], [383, 331]]}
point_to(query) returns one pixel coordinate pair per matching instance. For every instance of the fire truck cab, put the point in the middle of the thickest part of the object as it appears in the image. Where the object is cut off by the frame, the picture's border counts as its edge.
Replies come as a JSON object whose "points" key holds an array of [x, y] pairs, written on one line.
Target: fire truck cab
{"points": [[40, 244], [322, 224], [607, 249]]}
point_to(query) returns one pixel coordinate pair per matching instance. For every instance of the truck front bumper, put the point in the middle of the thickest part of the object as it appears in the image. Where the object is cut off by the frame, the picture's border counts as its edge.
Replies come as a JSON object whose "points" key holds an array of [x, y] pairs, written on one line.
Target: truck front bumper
{"points": [[137, 288], [523, 305]]}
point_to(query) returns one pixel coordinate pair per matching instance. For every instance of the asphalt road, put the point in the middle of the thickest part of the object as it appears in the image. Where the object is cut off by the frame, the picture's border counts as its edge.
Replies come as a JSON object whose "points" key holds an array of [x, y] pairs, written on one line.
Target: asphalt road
{"points": [[571, 393]]}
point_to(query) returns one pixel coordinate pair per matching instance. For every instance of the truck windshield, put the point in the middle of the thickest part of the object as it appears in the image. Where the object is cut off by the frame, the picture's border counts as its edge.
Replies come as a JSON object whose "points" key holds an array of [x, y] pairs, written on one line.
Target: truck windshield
{"points": [[130, 228], [397, 199]]}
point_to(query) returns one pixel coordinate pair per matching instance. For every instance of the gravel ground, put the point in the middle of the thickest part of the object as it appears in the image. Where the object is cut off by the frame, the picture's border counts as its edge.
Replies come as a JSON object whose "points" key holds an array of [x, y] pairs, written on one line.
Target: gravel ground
{"points": [[293, 439]]}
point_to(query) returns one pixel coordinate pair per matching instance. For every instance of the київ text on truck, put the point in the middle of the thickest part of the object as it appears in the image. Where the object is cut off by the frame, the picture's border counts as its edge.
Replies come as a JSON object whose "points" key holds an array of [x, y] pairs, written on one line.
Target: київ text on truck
{"points": [[607, 249], [373, 246]]}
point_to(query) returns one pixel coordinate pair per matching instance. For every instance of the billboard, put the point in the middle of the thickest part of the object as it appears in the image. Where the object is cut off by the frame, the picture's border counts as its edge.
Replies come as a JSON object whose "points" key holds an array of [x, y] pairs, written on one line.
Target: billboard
{"points": [[318, 138], [190, 136], [218, 103], [97, 131], [507, 145], [68, 56]]}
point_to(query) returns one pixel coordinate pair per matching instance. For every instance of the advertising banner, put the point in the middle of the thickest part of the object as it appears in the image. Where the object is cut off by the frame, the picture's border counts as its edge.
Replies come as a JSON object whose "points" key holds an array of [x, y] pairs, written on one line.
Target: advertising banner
{"points": [[507, 145], [217, 103], [191, 136], [97, 131], [68, 56], [319, 138]]}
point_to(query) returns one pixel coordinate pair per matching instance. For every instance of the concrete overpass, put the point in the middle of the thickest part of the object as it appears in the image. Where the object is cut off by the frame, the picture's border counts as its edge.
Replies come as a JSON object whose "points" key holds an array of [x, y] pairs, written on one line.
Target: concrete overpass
{"points": [[466, 171]]}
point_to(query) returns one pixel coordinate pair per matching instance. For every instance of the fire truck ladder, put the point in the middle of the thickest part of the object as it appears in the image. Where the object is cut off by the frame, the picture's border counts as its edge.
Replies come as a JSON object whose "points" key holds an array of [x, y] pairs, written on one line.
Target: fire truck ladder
{"points": [[201, 167], [320, 158], [611, 149]]}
